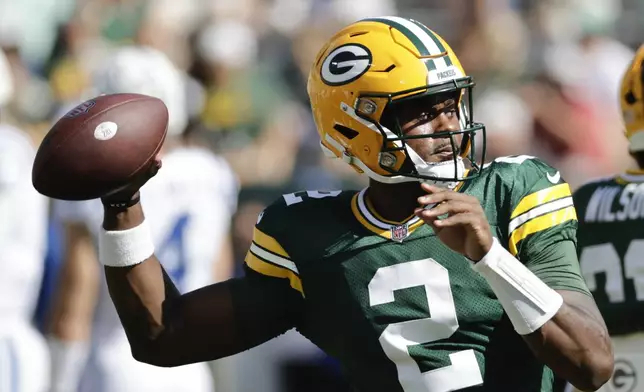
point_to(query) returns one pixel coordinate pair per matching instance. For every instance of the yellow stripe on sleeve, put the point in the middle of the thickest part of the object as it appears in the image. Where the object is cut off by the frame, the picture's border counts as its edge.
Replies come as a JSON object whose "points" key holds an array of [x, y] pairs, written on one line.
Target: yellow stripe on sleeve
{"points": [[541, 197], [265, 268], [540, 223], [269, 243]]}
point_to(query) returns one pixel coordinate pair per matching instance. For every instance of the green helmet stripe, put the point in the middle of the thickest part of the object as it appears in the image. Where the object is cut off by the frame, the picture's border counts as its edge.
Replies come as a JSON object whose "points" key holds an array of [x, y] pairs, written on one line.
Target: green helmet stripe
{"points": [[418, 43]]}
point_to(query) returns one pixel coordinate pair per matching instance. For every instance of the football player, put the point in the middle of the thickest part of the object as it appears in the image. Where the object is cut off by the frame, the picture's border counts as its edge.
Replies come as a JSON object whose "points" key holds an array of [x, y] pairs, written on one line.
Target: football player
{"points": [[442, 275], [24, 360], [191, 203], [611, 242]]}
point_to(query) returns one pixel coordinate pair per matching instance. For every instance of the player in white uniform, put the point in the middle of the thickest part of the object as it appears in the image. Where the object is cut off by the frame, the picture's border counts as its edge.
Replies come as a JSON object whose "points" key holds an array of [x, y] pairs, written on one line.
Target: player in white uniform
{"points": [[24, 360], [191, 202]]}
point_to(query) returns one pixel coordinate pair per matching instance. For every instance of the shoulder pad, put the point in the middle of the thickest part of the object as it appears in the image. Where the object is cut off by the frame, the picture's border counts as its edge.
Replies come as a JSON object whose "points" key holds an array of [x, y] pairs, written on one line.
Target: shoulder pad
{"points": [[542, 208], [526, 171], [292, 208]]}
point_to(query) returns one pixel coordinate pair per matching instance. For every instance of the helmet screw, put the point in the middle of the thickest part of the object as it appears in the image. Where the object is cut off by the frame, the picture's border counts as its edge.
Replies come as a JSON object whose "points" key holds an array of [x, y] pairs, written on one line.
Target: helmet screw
{"points": [[366, 106], [387, 159]]}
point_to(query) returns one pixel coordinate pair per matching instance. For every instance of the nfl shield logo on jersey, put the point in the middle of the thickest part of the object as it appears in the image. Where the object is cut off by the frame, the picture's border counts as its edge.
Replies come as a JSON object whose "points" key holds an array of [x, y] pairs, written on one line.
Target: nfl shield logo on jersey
{"points": [[399, 233]]}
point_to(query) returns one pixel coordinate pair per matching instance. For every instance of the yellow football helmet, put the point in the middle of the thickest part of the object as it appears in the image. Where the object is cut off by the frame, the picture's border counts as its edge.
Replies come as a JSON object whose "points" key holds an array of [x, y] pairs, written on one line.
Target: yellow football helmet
{"points": [[367, 69], [632, 102]]}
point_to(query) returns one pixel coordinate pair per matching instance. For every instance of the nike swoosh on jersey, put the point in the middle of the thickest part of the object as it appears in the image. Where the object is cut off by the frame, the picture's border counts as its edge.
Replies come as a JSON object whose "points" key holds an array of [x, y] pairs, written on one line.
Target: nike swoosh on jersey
{"points": [[554, 178]]}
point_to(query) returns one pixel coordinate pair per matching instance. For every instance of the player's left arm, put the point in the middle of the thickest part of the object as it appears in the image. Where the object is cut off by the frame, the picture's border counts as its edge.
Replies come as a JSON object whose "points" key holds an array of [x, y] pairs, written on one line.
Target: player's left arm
{"points": [[544, 294], [543, 234], [574, 342]]}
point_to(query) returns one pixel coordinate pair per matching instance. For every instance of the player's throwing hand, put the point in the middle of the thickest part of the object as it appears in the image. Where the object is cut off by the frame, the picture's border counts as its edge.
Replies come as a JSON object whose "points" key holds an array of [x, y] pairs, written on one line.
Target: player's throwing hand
{"points": [[465, 229], [129, 194]]}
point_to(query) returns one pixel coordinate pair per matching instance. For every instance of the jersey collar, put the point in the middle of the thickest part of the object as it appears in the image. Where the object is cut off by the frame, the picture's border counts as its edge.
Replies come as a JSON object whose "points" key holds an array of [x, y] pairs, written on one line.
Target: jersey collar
{"points": [[632, 176], [395, 231], [372, 221]]}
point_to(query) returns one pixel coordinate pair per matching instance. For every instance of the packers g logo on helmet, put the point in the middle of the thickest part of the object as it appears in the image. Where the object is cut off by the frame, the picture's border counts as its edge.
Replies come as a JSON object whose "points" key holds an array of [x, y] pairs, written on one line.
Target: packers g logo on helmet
{"points": [[345, 64]]}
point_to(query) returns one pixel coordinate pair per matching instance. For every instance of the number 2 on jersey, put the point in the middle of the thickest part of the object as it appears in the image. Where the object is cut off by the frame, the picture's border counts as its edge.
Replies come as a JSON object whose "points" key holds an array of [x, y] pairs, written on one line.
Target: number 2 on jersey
{"points": [[297, 197], [395, 340], [172, 252]]}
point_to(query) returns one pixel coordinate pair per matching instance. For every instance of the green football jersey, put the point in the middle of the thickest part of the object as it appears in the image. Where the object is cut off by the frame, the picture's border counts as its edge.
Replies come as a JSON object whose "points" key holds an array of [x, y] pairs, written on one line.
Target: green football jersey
{"points": [[400, 310], [611, 248]]}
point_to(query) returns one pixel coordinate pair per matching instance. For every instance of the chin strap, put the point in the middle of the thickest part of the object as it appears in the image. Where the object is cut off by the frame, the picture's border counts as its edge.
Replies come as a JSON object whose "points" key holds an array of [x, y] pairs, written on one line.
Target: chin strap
{"points": [[438, 169]]}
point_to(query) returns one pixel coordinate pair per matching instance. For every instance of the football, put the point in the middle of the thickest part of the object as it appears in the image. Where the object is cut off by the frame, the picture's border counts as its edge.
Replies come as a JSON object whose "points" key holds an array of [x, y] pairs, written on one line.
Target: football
{"points": [[99, 146]]}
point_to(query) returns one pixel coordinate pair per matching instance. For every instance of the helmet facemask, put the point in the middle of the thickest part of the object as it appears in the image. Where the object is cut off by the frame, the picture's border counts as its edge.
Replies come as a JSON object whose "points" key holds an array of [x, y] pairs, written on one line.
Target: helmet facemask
{"points": [[394, 140]]}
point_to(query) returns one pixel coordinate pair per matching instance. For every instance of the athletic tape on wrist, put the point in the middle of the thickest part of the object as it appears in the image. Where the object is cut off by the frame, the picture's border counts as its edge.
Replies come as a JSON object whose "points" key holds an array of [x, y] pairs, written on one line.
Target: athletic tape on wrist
{"points": [[527, 300], [125, 248]]}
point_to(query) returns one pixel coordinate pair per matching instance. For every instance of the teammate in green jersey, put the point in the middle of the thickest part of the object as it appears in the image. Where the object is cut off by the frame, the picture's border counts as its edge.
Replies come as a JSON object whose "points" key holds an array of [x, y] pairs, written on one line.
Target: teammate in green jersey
{"points": [[469, 282], [611, 243]]}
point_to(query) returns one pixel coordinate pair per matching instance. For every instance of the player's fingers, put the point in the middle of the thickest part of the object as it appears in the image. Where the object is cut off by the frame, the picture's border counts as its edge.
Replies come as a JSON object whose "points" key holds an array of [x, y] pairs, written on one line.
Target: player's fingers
{"points": [[155, 167], [445, 195], [449, 207], [429, 188], [456, 220], [433, 198], [142, 178]]}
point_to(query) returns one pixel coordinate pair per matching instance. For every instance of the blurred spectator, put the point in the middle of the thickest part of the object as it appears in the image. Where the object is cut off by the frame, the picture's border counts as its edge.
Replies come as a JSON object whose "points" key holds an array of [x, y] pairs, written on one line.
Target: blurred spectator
{"points": [[23, 240]]}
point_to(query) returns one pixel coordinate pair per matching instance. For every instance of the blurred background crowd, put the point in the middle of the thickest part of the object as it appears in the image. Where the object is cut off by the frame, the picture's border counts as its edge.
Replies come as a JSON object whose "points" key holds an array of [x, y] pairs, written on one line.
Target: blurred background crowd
{"points": [[547, 74]]}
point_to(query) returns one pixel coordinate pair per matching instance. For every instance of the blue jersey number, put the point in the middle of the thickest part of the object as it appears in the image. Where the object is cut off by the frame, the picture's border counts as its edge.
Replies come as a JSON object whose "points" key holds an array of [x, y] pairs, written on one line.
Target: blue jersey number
{"points": [[172, 252]]}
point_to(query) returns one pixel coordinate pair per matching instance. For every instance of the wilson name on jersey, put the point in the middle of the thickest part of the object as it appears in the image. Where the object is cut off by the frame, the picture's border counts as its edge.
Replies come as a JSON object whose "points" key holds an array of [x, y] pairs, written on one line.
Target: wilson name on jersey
{"points": [[611, 248], [400, 310]]}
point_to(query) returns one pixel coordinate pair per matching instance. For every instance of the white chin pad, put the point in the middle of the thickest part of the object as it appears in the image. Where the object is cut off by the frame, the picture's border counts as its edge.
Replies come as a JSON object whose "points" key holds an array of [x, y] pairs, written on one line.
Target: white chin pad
{"points": [[445, 169]]}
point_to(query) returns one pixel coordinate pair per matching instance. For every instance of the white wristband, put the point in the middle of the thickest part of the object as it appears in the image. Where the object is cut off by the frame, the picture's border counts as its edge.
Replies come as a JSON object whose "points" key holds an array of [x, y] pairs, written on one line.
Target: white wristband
{"points": [[126, 247], [527, 300]]}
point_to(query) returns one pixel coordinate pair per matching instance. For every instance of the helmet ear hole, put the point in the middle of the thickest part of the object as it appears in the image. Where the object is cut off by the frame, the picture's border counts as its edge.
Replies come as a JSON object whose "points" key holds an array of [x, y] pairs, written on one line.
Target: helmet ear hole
{"points": [[346, 131], [630, 98]]}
